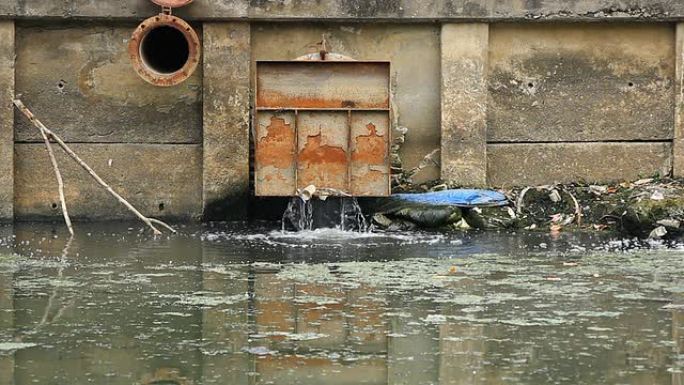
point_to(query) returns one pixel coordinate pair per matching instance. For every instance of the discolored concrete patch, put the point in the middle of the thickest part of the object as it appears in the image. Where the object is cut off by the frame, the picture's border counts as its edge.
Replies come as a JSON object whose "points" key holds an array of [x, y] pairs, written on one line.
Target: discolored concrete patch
{"points": [[79, 80], [580, 83], [159, 180], [226, 110], [525, 164], [465, 50], [6, 120]]}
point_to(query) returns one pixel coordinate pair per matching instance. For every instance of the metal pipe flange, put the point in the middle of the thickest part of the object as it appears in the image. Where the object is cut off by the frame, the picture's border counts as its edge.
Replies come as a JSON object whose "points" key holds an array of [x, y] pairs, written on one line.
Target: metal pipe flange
{"points": [[164, 49]]}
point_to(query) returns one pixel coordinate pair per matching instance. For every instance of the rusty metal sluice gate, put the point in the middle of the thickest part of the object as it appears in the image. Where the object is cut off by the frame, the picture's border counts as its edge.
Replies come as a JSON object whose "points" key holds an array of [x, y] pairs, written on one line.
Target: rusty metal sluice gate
{"points": [[322, 123]]}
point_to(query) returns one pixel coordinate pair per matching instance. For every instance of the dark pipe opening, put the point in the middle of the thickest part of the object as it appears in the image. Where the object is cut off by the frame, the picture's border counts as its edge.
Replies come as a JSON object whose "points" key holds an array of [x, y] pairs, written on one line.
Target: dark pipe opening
{"points": [[164, 50]]}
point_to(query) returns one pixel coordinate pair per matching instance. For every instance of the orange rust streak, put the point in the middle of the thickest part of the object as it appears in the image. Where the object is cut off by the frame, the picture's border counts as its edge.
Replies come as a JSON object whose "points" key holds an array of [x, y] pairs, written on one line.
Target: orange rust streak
{"points": [[314, 152], [277, 99], [277, 147], [322, 165], [370, 149]]}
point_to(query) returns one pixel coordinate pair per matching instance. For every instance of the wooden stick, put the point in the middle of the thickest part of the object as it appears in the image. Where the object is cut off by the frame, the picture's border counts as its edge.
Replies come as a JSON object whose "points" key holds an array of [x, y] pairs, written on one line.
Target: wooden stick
{"points": [[157, 221], [60, 182], [85, 166]]}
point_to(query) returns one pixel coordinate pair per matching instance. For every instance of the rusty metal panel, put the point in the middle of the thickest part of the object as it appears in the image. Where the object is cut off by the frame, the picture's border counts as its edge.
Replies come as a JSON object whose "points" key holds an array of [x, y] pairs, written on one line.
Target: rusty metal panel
{"points": [[369, 153], [275, 154], [323, 84], [322, 158], [325, 124]]}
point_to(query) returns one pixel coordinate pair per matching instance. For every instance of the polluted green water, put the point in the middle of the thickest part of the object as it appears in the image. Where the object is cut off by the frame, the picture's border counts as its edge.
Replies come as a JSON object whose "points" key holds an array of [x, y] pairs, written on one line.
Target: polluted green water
{"points": [[247, 304]]}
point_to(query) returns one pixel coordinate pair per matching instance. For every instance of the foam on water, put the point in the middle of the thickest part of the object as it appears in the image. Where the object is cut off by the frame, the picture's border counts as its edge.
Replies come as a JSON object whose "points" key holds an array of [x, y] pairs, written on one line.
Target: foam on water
{"points": [[331, 238]]}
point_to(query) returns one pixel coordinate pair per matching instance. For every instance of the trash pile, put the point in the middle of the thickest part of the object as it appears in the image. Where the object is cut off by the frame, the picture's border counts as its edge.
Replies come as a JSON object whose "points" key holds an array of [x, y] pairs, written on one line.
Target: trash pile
{"points": [[647, 208]]}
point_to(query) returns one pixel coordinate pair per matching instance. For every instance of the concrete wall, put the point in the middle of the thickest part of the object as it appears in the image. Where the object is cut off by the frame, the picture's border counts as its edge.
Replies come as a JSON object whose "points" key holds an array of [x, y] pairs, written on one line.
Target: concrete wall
{"points": [[145, 140], [558, 93], [511, 103], [394, 10]]}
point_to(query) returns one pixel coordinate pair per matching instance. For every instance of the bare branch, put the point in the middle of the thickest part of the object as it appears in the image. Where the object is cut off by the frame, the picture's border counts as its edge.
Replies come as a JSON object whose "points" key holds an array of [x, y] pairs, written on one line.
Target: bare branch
{"points": [[85, 166]]}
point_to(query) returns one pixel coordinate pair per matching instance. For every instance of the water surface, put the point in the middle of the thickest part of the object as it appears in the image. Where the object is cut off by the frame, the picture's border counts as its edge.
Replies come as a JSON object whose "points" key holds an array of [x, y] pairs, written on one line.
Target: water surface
{"points": [[239, 304]]}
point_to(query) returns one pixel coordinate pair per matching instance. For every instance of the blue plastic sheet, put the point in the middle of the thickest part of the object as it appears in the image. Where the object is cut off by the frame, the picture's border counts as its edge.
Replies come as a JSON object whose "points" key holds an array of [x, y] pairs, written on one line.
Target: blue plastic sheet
{"points": [[458, 197]]}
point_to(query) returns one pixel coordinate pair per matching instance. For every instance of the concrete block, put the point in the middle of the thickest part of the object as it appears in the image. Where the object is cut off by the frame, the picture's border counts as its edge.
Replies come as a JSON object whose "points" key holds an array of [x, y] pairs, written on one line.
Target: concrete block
{"points": [[464, 103], [226, 119], [578, 82], [159, 180], [678, 145], [215, 9], [525, 164], [123, 9], [413, 51], [79, 81], [6, 120], [453, 10], [350, 10]]}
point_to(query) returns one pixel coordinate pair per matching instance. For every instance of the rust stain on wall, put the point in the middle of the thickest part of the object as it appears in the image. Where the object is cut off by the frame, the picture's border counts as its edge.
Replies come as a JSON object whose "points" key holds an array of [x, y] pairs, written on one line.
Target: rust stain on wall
{"points": [[280, 99], [275, 154], [322, 165], [336, 125], [322, 85], [277, 147], [371, 148], [314, 152]]}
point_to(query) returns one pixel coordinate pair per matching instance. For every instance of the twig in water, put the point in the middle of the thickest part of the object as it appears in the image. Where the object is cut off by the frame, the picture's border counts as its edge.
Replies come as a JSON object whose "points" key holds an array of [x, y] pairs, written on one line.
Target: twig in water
{"points": [[60, 182], [84, 165]]}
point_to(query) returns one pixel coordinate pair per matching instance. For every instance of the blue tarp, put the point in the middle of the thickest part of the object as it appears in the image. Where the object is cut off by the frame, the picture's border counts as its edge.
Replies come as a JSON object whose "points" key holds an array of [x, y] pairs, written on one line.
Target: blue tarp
{"points": [[458, 197]]}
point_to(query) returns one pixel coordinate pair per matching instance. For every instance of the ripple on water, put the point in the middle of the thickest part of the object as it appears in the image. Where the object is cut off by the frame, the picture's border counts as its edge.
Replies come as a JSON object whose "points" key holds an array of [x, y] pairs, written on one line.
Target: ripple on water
{"points": [[330, 238]]}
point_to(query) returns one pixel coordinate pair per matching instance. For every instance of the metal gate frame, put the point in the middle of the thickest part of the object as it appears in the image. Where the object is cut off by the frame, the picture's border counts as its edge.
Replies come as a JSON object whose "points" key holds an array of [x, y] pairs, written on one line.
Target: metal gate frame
{"points": [[300, 106]]}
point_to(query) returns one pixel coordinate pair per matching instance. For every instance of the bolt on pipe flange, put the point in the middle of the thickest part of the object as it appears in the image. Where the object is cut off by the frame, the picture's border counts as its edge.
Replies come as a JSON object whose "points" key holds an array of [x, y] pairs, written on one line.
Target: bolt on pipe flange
{"points": [[164, 49], [172, 3]]}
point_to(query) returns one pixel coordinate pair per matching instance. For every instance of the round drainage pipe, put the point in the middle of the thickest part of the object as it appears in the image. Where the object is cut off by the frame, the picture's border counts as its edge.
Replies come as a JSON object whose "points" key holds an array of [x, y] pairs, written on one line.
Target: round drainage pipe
{"points": [[164, 49]]}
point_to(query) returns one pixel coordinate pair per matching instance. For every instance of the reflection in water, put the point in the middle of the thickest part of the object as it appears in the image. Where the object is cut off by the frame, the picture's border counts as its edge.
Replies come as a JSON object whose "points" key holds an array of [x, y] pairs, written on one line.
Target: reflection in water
{"points": [[221, 306]]}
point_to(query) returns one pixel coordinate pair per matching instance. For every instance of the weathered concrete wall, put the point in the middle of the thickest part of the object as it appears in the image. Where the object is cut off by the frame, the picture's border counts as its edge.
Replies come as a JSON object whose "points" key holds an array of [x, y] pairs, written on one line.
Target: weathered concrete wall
{"points": [[415, 67], [6, 120], [396, 10], [160, 180], [465, 51], [226, 120], [579, 83], [508, 103], [678, 143], [78, 80], [534, 164]]}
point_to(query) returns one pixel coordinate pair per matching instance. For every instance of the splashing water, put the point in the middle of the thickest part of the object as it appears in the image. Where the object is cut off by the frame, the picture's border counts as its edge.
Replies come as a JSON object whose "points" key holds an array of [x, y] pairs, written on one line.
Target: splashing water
{"points": [[351, 216], [298, 215], [341, 213]]}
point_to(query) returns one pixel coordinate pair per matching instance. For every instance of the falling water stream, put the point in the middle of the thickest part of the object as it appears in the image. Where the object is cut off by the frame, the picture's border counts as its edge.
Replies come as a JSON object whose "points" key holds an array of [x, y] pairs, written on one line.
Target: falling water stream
{"points": [[298, 215], [339, 213]]}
